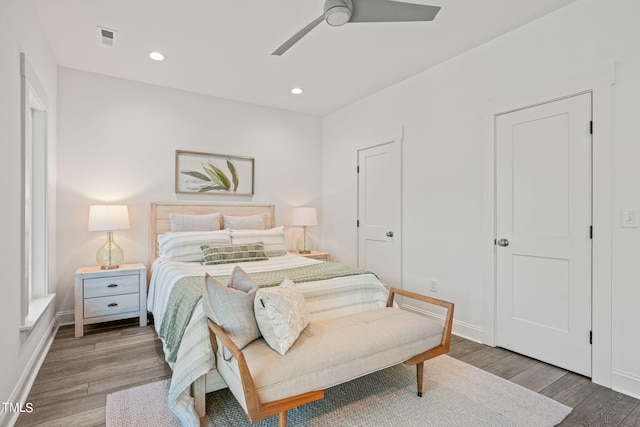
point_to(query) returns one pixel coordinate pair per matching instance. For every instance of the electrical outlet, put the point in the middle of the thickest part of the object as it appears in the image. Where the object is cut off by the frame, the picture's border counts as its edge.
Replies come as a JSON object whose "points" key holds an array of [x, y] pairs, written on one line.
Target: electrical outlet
{"points": [[629, 218], [434, 285]]}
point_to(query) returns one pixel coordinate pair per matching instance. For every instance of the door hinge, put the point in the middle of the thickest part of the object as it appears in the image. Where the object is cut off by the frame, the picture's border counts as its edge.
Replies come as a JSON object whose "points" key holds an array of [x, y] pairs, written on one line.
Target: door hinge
{"points": [[591, 127], [357, 223], [591, 231], [357, 169], [590, 337]]}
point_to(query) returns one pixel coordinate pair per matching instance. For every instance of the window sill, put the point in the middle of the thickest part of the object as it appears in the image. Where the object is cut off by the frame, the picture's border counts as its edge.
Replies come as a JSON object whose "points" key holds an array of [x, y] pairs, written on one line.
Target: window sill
{"points": [[36, 308]]}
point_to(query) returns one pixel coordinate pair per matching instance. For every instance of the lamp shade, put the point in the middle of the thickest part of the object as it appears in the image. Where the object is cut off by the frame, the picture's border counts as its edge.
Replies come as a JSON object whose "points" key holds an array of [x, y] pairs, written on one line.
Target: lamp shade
{"points": [[108, 217], [304, 216]]}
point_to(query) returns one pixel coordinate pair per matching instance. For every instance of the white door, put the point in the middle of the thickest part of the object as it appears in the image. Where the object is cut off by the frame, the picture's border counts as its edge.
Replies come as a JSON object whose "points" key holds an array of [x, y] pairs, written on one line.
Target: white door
{"points": [[543, 241], [379, 210]]}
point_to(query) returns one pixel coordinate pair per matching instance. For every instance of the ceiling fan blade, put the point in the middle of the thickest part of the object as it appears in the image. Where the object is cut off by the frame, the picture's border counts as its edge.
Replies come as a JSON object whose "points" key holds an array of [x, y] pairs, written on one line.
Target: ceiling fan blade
{"points": [[391, 11], [297, 36]]}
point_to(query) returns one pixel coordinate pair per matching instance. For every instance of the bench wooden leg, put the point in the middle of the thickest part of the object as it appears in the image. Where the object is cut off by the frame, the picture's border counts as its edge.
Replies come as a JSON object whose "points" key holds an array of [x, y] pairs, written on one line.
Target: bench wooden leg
{"points": [[199, 396], [419, 374], [282, 419]]}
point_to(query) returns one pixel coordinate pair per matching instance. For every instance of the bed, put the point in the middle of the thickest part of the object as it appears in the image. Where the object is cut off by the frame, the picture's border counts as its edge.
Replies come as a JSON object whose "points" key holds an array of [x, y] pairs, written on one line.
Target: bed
{"points": [[330, 290]]}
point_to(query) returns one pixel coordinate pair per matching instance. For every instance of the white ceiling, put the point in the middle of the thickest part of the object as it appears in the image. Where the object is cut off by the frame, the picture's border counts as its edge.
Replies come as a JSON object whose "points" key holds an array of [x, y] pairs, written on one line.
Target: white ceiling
{"points": [[223, 48]]}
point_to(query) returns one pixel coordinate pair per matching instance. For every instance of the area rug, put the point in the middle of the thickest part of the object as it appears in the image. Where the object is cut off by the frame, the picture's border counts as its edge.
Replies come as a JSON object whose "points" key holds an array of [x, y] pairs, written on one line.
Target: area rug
{"points": [[455, 394]]}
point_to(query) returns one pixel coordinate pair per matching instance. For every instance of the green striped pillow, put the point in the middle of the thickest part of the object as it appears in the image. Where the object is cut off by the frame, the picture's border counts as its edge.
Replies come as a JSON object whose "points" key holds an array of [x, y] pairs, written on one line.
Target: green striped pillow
{"points": [[225, 254]]}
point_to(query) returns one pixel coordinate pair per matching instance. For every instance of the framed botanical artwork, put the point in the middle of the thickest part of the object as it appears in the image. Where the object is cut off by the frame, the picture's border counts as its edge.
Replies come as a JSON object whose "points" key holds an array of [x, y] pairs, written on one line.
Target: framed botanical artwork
{"points": [[209, 173]]}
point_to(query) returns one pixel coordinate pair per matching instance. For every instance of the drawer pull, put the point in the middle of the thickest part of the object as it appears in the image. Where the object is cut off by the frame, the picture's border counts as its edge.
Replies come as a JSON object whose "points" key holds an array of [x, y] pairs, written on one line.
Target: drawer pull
{"points": [[113, 285], [113, 304]]}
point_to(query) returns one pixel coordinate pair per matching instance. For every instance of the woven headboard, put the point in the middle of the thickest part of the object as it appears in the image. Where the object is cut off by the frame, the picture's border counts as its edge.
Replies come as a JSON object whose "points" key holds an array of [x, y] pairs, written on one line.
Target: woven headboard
{"points": [[159, 222]]}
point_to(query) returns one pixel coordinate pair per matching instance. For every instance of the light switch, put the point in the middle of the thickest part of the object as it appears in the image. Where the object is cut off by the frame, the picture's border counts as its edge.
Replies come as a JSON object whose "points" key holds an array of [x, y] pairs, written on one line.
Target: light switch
{"points": [[629, 218]]}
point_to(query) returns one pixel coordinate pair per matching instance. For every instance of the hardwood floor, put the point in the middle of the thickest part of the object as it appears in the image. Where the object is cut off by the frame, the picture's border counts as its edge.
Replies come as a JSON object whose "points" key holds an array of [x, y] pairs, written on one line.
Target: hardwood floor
{"points": [[78, 373]]}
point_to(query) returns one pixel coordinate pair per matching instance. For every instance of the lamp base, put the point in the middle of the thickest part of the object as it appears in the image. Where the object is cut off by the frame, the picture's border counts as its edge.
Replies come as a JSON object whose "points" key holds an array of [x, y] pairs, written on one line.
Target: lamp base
{"points": [[304, 243], [110, 255]]}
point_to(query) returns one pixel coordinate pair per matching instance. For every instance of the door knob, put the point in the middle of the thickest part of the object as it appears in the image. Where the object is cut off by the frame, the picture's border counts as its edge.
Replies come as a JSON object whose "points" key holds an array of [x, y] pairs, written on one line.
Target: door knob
{"points": [[503, 242], [389, 233]]}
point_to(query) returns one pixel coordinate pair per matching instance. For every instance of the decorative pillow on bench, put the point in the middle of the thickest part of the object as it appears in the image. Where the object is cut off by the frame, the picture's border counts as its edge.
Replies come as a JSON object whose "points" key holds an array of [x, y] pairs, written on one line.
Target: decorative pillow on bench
{"points": [[231, 307], [282, 314]]}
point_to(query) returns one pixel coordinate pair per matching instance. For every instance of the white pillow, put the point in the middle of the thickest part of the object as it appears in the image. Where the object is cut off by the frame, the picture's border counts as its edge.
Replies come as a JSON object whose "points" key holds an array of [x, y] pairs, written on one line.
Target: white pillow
{"points": [[186, 245], [273, 239], [207, 222], [282, 315], [248, 222]]}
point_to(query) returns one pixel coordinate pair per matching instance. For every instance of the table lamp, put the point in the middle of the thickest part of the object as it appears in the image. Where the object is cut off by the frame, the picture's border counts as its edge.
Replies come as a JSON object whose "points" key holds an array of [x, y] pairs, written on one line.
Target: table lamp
{"points": [[109, 218], [303, 217]]}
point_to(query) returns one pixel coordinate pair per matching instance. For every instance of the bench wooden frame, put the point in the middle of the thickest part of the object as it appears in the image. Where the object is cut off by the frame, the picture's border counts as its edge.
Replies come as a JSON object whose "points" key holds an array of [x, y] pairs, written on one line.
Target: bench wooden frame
{"points": [[257, 410]]}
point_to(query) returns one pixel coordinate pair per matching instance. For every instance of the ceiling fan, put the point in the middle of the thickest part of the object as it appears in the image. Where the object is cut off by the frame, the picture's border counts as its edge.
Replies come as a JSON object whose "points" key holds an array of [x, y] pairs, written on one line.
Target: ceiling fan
{"points": [[339, 12]]}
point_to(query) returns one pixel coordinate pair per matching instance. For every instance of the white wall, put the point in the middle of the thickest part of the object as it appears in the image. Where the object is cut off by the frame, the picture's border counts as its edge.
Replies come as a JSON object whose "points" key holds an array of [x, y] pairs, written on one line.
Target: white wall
{"points": [[441, 110], [117, 142], [19, 32]]}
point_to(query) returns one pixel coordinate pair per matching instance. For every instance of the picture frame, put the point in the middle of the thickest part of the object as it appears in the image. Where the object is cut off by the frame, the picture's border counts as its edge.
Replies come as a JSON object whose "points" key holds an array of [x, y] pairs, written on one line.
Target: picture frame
{"points": [[210, 173]]}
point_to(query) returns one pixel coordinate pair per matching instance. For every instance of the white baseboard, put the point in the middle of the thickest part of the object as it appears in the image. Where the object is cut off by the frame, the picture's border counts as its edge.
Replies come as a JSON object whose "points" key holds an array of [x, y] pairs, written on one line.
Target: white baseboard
{"points": [[66, 317], [462, 329], [626, 383], [22, 389]]}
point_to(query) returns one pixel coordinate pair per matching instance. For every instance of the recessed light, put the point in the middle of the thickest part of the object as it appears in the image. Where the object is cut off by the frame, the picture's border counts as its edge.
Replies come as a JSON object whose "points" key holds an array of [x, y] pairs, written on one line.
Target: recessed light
{"points": [[156, 56], [296, 91]]}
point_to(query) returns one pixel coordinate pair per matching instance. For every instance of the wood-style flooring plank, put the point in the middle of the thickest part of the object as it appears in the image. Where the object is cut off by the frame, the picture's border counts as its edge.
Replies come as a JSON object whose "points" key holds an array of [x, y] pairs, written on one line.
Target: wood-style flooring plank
{"points": [[538, 377], [64, 341], [485, 356], [603, 408], [62, 409], [570, 390], [118, 382], [510, 366], [135, 365], [633, 419], [464, 348], [92, 418], [63, 392], [103, 360]]}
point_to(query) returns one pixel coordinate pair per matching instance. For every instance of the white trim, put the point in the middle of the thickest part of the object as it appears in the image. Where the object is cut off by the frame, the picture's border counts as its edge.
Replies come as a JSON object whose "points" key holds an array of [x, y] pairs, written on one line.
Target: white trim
{"points": [[23, 387], [600, 82], [66, 317], [37, 306], [626, 383], [35, 297], [461, 329]]}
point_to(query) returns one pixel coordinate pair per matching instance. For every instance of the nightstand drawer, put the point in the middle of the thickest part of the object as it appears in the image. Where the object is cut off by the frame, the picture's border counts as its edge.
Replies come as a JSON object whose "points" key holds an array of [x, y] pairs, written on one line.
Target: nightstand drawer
{"points": [[106, 306], [116, 285]]}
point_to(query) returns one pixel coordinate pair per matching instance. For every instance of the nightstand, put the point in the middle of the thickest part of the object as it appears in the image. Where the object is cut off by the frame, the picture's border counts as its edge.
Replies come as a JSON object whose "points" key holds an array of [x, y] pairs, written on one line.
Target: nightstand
{"points": [[105, 295], [322, 256]]}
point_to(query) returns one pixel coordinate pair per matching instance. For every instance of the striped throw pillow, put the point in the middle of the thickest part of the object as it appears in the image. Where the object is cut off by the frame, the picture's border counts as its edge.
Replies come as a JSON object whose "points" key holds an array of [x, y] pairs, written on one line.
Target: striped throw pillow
{"points": [[247, 222], [186, 246], [226, 254], [273, 239]]}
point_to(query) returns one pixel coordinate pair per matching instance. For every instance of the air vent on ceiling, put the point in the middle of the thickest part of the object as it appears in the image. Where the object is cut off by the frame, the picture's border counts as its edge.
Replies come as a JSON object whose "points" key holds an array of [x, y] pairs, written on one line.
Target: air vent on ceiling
{"points": [[107, 37]]}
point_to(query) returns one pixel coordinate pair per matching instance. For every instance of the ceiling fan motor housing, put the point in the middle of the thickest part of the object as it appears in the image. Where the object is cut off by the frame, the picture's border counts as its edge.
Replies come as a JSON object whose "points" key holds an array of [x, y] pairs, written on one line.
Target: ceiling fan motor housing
{"points": [[337, 12]]}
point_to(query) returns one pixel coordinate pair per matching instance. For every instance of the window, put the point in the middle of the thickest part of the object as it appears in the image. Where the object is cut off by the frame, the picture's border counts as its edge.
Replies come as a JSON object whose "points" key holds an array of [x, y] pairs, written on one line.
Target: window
{"points": [[35, 245]]}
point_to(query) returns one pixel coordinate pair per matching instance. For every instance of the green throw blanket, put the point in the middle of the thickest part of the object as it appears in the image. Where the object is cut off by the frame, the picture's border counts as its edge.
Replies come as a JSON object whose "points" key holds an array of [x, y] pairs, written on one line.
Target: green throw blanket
{"points": [[187, 292]]}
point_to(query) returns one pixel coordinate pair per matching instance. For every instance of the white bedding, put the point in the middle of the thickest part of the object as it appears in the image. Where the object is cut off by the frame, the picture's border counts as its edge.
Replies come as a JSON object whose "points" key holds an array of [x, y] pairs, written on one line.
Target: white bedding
{"points": [[325, 298]]}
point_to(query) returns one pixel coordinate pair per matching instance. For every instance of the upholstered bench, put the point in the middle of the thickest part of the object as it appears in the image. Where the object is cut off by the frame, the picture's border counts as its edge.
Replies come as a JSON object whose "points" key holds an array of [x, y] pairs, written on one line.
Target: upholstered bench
{"points": [[329, 352]]}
